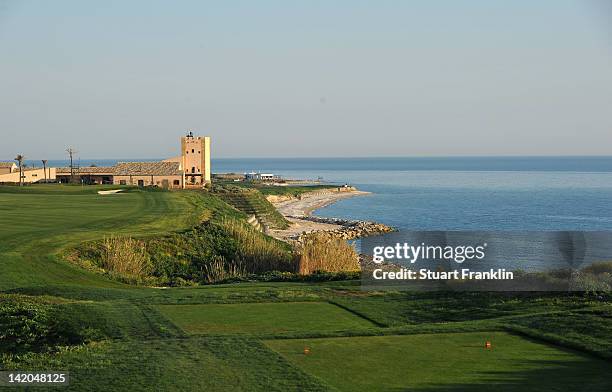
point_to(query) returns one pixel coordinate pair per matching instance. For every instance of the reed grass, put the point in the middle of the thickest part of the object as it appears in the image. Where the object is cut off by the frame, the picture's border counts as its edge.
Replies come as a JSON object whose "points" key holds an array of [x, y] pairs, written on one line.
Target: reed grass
{"points": [[220, 269], [320, 252], [257, 252], [125, 256]]}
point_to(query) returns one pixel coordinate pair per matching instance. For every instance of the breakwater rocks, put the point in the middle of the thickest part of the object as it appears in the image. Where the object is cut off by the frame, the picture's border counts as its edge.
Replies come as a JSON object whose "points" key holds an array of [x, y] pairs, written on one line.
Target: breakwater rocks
{"points": [[349, 229]]}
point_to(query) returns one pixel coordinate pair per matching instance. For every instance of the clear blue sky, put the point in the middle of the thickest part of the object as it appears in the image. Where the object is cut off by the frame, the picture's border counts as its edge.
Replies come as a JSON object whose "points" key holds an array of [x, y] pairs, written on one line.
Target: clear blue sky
{"points": [[125, 79]]}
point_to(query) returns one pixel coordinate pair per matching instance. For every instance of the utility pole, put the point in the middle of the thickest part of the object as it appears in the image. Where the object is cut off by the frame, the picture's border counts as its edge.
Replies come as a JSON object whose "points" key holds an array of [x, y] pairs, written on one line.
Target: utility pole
{"points": [[44, 162], [71, 152]]}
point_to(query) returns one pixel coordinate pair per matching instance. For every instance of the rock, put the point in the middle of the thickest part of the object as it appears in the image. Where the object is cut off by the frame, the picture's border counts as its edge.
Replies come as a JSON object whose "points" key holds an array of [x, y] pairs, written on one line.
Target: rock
{"points": [[351, 229]]}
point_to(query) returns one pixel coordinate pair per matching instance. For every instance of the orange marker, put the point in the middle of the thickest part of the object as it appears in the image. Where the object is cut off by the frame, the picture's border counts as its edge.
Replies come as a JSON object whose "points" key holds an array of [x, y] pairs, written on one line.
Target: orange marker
{"points": [[306, 350], [488, 345]]}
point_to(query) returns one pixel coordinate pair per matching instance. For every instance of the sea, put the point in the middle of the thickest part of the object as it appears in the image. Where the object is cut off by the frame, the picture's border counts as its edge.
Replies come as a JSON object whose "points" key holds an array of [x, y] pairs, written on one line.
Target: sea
{"points": [[453, 193]]}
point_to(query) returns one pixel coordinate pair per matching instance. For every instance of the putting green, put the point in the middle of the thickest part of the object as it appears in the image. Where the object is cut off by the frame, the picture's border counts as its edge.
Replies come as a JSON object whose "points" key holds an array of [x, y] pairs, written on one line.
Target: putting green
{"points": [[445, 362], [262, 317]]}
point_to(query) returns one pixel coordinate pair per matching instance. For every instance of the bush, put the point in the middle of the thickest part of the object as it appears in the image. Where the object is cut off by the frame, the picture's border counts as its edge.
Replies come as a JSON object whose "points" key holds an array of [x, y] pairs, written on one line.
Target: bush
{"points": [[28, 324], [23, 325]]}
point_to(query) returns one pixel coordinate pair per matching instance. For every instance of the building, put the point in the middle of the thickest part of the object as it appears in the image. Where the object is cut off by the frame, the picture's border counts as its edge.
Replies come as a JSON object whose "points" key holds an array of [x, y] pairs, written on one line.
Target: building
{"points": [[9, 174], [253, 176], [8, 167], [86, 175], [189, 170], [162, 174], [194, 160]]}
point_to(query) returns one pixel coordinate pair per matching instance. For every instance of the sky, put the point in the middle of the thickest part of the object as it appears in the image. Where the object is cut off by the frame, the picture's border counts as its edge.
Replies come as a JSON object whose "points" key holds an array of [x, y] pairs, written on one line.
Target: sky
{"points": [[126, 79]]}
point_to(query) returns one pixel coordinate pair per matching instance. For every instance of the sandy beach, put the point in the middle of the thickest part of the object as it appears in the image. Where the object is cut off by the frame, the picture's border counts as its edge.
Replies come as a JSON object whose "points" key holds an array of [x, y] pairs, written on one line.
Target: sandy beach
{"points": [[304, 206], [310, 202]]}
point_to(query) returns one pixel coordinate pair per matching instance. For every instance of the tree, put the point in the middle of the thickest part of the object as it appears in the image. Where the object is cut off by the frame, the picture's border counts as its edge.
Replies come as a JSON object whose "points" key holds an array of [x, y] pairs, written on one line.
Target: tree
{"points": [[19, 158], [44, 162], [71, 151]]}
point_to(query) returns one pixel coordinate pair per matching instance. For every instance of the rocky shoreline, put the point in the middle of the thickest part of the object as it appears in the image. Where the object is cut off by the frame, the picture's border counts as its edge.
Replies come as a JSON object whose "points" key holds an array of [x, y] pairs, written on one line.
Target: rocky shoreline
{"points": [[349, 229], [298, 211]]}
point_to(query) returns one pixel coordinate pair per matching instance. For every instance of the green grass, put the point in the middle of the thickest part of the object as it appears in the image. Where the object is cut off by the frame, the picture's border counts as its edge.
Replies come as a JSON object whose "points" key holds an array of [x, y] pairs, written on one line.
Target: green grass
{"points": [[586, 329], [195, 364], [394, 309], [262, 318], [445, 362], [117, 320]]}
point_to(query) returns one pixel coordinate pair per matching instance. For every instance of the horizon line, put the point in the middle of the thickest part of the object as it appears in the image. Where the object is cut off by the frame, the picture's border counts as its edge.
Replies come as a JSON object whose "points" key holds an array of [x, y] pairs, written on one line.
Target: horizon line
{"points": [[135, 159]]}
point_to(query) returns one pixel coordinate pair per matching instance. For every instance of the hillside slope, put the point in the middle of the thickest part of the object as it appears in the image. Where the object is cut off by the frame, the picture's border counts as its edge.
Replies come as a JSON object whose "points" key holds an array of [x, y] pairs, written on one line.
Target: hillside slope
{"points": [[252, 202], [39, 221]]}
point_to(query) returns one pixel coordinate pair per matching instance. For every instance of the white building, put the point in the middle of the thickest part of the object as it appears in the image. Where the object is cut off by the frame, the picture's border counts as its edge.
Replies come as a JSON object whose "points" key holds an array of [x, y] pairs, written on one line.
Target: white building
{"points": [[254, 176]]}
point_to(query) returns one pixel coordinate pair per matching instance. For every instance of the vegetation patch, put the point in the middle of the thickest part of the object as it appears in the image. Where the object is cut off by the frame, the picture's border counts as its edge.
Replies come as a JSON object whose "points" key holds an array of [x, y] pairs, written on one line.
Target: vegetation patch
{"points": [[32, 324], [124, 256], [221, 247], [39, 324], [262, 318], [320, 252]]}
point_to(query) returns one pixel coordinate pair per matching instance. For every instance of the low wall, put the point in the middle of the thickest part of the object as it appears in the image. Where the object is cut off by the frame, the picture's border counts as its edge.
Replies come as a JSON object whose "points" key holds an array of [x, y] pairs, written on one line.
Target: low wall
{"points": [[29, 176]]}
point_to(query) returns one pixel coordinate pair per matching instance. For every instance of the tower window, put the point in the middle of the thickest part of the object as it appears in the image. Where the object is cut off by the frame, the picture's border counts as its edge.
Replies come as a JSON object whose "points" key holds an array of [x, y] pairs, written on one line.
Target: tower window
{"points": [[192, 150], [193, 169]]}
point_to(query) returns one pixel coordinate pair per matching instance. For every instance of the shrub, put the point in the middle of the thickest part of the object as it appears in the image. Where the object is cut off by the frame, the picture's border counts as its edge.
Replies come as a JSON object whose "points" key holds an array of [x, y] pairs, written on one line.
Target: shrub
{"points": [[30, 324], [23, 325], [320, 252], [591, 283]]}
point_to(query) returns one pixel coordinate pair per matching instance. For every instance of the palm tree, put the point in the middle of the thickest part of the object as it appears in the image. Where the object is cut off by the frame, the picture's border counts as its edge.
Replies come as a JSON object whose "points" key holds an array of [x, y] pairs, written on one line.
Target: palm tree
{"points": [[19, 158], [44, 162]]}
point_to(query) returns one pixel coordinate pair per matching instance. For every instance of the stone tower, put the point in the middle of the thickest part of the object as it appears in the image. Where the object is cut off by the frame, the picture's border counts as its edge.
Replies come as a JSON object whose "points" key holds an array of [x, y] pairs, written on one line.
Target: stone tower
{"points": [[195, 154]]}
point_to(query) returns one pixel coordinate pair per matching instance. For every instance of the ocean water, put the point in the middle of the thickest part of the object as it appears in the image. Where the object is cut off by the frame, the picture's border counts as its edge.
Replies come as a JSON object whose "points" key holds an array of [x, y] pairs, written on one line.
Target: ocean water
{"points": [[489, 193], [530, 211], [471, 193]]}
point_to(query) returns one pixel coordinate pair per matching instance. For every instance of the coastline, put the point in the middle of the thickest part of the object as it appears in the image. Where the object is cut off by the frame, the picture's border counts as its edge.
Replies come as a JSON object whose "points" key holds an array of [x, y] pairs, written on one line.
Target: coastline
{"points": [[298, 211], [309, 202]]}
